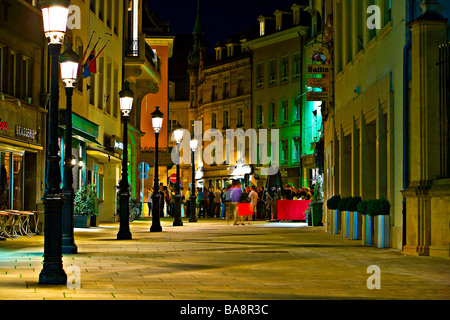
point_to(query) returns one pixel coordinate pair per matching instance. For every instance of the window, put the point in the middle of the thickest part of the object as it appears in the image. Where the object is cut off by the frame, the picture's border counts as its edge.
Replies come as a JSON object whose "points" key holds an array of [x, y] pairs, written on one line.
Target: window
{"points": [[226, 91], [296, 151], [296, 66], [172, 125], [273, 113], [214, 121], [284, 68], [108, 13], [115, 100], [101, 10], [79, 85], [192, 129], [2, 69], [108, 88], [283, 152], [226, 123], [116, 17], [284, 112], [260, 75], [240, 86], [387, 11], [91, 88], [296, 110], [272, 71], [26, 79], [100, 96], [93, 5], [262, 27], [240, 117], [260, 115], [213, 93], [13, 74]]}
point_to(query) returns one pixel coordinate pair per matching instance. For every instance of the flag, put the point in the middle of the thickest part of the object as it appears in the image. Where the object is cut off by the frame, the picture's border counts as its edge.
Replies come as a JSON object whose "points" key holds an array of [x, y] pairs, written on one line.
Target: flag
{"points": [[87, 65]]}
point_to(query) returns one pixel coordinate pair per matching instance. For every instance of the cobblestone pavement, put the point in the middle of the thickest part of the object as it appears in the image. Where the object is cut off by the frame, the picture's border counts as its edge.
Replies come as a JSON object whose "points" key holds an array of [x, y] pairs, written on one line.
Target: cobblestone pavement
{"points": [[213, 260]]}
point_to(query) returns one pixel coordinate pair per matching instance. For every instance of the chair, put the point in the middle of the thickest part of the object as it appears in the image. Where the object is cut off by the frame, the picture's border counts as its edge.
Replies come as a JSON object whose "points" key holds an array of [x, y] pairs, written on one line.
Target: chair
{"points": [[24, 223], [14, 224], [6, 222]]}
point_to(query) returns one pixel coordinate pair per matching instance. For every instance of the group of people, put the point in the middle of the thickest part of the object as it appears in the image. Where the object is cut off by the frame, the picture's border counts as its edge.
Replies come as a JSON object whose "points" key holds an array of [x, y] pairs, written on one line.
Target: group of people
{"points": [[223, 202], [292, 193]]}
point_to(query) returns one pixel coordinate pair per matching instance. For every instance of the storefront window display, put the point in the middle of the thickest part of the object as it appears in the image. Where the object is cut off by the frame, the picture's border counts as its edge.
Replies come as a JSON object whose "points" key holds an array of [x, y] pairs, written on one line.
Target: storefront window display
{"points": [[11, 180]]}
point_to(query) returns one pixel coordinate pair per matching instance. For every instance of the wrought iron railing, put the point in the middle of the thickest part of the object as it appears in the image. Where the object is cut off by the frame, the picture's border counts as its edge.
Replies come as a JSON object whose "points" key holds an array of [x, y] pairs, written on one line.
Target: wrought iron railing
{"points": [[132, 47]]}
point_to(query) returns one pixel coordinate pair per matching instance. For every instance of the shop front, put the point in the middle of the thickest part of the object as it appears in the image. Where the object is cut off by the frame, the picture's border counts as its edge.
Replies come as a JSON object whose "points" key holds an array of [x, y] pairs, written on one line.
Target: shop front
{"points": [[21, 156]]}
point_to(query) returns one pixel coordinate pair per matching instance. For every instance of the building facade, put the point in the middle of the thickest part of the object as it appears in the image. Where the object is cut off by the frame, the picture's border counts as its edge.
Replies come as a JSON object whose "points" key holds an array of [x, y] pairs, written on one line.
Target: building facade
{"points": [[23, 106], [370, 135]]}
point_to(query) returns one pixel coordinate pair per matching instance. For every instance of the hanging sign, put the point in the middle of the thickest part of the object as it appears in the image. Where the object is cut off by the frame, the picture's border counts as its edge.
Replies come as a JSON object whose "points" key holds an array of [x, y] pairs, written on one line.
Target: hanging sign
{"points": [[317, 96], [318, 83], [318, 69]]}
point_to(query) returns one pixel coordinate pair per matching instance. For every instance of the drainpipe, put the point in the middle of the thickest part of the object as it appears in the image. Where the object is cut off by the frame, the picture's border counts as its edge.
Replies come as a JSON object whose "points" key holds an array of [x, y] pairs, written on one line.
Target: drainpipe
{"points": [[406, 62]]}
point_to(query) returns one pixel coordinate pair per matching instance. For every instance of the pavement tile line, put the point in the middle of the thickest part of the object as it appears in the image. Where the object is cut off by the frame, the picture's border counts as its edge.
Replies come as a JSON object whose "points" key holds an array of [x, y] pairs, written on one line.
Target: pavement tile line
{"points": [[211, 260]]}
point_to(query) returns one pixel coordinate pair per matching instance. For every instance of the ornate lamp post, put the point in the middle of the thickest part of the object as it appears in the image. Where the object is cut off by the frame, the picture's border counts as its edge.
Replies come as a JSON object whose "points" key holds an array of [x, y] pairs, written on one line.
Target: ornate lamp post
{"points": [[178, 133], [193, 145], [69, 72], [126, 104], [54, 15], [157, 121]]}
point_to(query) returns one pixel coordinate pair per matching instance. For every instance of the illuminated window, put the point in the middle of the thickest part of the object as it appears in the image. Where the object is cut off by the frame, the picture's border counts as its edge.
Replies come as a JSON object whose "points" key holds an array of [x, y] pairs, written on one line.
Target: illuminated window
{"points": [[262, 28]]}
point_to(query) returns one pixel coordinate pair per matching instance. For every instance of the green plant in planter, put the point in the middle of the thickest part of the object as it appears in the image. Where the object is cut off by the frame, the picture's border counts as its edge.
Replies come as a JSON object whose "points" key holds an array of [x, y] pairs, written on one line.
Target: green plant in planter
{"points": [[352, 203], [332, 203], [378, 207], [85, 203], [362, 207], [342, 204]]}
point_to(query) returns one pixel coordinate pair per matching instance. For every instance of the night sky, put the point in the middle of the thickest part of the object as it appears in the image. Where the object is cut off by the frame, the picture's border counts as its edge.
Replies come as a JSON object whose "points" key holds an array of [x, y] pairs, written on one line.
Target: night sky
{"points": [[220, 18]]}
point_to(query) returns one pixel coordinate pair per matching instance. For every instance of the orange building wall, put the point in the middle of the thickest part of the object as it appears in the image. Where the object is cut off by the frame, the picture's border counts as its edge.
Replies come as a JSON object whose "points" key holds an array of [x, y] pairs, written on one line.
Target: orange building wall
{"points": [[160, 99]]}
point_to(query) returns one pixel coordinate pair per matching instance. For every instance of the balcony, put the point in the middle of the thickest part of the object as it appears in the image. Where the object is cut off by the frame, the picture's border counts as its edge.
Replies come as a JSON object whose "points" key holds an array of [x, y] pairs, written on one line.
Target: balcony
{"points": [[141, 63]]}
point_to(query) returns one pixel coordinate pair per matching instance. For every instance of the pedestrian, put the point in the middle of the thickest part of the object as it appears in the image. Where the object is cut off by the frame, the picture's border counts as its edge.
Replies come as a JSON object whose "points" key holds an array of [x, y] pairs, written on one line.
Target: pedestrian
{"points": [[201, 203], [229, 208], [236, 194], [253, 196], [161, 200], [187, 205], [217, 202], [211, 201], [149, 200]]}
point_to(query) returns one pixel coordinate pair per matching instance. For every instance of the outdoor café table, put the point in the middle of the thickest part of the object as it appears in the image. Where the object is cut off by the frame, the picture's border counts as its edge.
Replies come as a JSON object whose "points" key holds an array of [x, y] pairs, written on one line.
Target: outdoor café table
{"points": [[5, 222], [24, 222], [292, 210]]}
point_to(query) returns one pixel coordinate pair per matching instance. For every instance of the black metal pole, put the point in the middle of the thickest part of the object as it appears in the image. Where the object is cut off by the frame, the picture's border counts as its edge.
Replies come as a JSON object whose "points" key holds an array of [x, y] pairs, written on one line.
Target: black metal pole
{"points": [[124, 190], [156, 197], [52, 271], [177, 210], [68, 241], [193, 197]]}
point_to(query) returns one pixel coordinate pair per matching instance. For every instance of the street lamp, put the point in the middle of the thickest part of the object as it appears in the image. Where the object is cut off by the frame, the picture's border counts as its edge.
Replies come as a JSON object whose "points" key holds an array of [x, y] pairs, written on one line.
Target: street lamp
{"points": [[126, 103], [178, 134], [69, 72], [193, 145], [54, 15], [157, 121]]}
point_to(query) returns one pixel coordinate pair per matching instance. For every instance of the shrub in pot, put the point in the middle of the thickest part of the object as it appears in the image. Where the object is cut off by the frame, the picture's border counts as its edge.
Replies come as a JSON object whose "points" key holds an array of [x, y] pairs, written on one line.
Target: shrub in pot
{"points": [[342, 207], [354, 218], [380, 210], [366, 223], [332, 204], [85, 206]]}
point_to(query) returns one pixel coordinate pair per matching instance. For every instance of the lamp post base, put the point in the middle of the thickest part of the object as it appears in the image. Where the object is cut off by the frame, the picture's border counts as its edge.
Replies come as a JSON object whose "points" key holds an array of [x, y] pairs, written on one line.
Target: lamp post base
{"points": [[156, 228], [53, 277], [126, 235]]}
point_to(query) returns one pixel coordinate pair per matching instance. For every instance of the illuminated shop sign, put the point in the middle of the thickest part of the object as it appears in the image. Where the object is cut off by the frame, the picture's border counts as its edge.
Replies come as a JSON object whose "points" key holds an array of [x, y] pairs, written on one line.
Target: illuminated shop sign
{"points": [[3, 125], [25, 133], [118, 145]]}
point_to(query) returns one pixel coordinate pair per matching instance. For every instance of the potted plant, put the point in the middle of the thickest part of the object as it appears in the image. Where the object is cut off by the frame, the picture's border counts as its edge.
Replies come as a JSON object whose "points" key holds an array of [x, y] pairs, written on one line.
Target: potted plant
{"points": [[354, 217], [380, 210], [335, 220], [366, 223], [342, 207], [85, 206], [315, 207]]}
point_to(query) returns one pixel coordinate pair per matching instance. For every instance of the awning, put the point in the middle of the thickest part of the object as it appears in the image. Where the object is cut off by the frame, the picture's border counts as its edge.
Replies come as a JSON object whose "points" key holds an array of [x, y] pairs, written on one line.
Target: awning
{"points": [[84, 137], [102, 155]]}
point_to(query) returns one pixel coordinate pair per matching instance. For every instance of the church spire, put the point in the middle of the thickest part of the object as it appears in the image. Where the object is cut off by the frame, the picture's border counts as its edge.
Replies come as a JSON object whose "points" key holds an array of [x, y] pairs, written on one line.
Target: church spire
{"points": [[198, 28]]}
